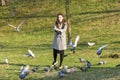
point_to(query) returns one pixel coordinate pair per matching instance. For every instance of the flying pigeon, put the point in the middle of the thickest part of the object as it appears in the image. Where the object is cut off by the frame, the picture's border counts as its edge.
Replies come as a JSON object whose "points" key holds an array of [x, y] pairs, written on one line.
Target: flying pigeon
{"points": [[70, 43], [88, 64], [5, 60], [82, 60], [90, 44], [75, 44], [30, 54], [18, 27], [100, 49], [24, 72]]}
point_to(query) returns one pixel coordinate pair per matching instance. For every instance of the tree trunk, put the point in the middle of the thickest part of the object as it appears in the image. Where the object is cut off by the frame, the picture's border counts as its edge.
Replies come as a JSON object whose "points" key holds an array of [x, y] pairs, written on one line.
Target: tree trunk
{"points": [[2, 2], [69, 27]]}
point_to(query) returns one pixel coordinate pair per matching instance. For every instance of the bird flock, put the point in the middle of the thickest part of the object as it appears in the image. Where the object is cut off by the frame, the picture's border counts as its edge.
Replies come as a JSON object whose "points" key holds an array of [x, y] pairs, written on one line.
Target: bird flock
{"points": [[25, 70]]}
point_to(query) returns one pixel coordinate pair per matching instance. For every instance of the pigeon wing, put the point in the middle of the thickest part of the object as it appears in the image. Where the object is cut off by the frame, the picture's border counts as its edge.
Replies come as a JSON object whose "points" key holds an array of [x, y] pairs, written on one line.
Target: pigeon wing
{"points": [[11, 25], [31, 53], [20, 24], [76, 41]]}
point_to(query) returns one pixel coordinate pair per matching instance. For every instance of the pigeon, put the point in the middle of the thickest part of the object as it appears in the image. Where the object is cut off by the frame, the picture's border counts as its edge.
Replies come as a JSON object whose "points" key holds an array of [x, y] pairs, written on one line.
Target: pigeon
{"points": [[30, 54], [65, 67], [90, 44], [47, 69], [53, 66], [100, 49], [82, 60], [60, 74], [102, 62], [88, 64], [18, 27], [5, 60], [35, 68], [65, 55], [118, 65], [70, 43], [24, 72], [83, 69], [75, 44]]}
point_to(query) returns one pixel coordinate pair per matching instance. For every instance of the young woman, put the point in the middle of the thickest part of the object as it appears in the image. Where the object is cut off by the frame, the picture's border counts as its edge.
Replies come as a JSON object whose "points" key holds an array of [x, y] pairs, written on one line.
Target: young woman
{"points": [[59, 43]]}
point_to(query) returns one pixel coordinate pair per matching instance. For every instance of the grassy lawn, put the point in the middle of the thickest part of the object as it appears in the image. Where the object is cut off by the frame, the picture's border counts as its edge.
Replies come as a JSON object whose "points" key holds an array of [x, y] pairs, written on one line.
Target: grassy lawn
{"points": [[94, 20]]}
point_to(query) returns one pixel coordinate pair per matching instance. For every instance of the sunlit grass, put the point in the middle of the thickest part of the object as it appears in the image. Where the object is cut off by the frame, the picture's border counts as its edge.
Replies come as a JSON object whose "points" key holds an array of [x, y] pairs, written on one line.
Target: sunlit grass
{"points": [[96, 21]]}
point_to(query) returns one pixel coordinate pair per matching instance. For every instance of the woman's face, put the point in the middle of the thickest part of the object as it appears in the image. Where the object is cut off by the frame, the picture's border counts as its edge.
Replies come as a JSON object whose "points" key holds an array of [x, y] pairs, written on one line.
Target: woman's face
{"points": [[60, 18]]}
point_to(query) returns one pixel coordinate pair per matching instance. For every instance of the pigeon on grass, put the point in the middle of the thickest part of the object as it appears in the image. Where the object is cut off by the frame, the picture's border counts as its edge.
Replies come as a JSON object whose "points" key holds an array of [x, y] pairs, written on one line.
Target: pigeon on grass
{"points": [[35, 68], [101, 62], [88, 64], [24, 72], [82, 60], [83, 69], [6, 60]]}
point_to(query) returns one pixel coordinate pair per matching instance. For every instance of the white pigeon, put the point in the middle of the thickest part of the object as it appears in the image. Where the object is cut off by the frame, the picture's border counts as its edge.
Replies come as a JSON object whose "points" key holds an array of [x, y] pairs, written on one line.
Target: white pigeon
{"points": [[5, 60], [90, 44], [75, 43], [82, 60], [31, 53], [102, 62], [18, 27]]}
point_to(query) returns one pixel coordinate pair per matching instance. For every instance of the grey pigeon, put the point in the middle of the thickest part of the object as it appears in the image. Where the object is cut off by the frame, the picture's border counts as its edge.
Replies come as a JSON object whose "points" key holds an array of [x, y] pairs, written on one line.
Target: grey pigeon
{"points": [[88, 64], [118, 65], [83, 69], [24, 72], [99, 51], [61, 74], [35, 68], [46, 69]]}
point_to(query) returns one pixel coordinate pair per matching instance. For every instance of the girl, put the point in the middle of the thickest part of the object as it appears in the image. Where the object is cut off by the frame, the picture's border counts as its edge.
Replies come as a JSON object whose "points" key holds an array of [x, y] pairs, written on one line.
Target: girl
{"points": [[59, 43]]}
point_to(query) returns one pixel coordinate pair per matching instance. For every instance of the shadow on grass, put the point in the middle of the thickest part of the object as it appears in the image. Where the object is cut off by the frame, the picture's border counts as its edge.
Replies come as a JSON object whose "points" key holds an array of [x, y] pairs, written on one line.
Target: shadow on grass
{"points": [[99, 12], [95, 73], [53, 16], [94, 18], [38, 46]]}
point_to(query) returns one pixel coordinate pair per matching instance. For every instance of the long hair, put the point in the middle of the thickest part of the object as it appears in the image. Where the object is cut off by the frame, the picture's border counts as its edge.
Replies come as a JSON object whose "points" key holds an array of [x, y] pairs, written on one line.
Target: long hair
{"points": [[58, 22]]}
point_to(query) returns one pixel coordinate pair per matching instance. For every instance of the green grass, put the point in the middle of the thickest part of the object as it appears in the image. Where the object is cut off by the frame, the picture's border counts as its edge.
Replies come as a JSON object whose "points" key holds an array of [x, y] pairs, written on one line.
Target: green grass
{"points": [[94, 20]]}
